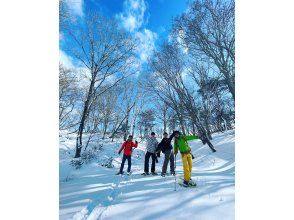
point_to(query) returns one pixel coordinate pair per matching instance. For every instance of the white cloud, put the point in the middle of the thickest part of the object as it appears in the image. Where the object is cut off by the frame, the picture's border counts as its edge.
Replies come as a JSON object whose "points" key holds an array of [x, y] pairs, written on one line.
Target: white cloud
{"points": [[65, 60], [147, 40], [76, 7], [132, 17]]}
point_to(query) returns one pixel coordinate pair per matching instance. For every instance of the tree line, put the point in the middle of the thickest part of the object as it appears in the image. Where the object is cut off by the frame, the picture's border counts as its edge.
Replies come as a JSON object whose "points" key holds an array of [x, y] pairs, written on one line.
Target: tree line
{"points": [[188, 84]]}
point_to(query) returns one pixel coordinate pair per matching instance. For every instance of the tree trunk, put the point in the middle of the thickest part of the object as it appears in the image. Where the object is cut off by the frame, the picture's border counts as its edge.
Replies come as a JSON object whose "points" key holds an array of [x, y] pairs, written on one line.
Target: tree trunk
{"points": [[203, 135], [121, 122], [127, 129], [208, 129], [193, 129], [104, 130], [231, 87], [133, 130], [79, 142], [181, 122]]}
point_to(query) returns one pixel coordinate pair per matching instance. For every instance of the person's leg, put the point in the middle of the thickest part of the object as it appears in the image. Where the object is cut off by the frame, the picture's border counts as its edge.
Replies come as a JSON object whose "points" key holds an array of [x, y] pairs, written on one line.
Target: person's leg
{"points": [[165, 162], [186, 168], [122, 164], [146, 167], [129, 163], [189, 159], [153, 163], [172, 162]]}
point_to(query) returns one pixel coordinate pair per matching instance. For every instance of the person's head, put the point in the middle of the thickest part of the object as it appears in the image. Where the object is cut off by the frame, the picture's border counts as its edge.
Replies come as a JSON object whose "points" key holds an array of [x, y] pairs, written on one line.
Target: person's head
{"points": [[165, 134], [177, 134], [130, 138], [152, 134]]}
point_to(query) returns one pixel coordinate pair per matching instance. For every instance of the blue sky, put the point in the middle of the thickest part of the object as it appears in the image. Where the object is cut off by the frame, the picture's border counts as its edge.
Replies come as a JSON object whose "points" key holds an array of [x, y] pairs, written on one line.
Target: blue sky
{"points": [[157, 15], [149, 20]]}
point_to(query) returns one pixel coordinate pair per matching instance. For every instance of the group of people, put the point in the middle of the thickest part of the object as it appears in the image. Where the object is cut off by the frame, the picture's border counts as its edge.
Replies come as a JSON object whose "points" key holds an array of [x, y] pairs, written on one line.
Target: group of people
{"points": [[153, 150]]}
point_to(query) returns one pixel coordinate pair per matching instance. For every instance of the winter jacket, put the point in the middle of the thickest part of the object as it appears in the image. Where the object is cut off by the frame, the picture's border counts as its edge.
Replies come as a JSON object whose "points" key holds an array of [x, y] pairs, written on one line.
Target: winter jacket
{"points": [[151, 144], [127, 147], [181, 143], [165, 144]]}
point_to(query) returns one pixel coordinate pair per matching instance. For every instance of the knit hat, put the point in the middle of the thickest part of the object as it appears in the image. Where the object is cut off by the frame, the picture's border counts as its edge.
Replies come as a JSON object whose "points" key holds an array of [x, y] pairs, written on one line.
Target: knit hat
{"points": [[177, 132]]}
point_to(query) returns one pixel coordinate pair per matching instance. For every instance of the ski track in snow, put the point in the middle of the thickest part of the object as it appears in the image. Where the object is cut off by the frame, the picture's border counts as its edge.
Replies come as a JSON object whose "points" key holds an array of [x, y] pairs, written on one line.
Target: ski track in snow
{"points": [[94, 211], [211, 171]]}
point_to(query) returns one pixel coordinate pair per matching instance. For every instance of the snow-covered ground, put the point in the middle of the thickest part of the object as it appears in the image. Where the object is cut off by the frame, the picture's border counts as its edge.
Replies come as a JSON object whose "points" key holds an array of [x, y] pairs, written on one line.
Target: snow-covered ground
{"points": [[95, 192]]}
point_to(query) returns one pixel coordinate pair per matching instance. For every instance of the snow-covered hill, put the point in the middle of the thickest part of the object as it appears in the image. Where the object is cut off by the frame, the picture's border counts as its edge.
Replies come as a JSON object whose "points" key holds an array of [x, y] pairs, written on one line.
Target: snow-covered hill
{"points": [[95, 192]]}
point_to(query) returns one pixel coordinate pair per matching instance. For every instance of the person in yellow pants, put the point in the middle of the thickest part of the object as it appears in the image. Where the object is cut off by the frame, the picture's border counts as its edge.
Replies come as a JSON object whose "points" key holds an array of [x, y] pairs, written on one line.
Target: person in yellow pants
{"points": [[187, 166], [181, 144]]}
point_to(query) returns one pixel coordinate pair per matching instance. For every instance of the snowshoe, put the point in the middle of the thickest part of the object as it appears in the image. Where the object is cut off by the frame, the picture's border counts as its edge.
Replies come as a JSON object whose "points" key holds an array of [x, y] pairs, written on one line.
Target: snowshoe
{"points": [[192, 183], [163, 174], [145, 174], [129, 173], [119, 173], [184, 184], [172, 173], [154, 173]]}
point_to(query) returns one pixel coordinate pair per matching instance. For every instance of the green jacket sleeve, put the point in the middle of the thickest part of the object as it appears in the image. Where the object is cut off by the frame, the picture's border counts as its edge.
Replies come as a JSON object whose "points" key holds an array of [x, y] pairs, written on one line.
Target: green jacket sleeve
{"points": [[190, 137]]}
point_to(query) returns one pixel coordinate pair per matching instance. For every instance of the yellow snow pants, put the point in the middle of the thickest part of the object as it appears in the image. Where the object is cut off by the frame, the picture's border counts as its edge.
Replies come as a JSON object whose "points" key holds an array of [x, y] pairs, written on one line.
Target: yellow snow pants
{"points": [[187, 166]]}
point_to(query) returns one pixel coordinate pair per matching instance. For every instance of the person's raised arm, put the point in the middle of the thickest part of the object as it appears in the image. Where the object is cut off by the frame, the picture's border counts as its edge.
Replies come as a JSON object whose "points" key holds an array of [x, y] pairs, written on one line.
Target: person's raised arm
{"points": [[171, 137], [190, 137], [135, 145]]}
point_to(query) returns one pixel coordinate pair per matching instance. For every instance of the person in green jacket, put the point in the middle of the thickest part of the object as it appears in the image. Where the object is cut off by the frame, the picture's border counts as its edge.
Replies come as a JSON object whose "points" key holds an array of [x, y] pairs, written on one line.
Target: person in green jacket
{"points": [[181, 144]]}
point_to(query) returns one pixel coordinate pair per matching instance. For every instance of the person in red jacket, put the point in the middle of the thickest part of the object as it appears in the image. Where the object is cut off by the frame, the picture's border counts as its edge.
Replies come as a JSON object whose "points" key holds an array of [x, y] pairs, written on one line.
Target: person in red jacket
{"points": [[127, 147]]}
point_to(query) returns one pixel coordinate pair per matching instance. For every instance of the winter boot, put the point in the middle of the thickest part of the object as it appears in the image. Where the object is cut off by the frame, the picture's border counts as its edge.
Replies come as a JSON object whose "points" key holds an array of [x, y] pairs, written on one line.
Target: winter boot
{"points": [[154, 173], [163, 174], [185, 184], [145, 174]]}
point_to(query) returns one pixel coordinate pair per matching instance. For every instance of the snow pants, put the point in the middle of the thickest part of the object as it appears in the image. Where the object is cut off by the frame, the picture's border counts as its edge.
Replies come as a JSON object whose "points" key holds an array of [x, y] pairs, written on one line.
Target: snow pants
{"points": [[146, 165], [168, 157], [187, 166], [126, 157]]}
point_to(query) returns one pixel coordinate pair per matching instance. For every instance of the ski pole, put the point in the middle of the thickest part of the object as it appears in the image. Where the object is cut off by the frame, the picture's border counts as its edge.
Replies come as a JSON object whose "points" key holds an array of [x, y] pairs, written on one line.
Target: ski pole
{"points": [[175, 173]]}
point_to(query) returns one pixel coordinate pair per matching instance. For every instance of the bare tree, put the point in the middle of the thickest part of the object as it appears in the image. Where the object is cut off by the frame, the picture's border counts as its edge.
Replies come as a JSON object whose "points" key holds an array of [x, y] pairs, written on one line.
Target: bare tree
{"points": [[68, 95], [107, 53], [208, 29], [146, 120], [202, 74], [139, 105], [108, 101], [169, 67], [162, 112], [120, 119]]}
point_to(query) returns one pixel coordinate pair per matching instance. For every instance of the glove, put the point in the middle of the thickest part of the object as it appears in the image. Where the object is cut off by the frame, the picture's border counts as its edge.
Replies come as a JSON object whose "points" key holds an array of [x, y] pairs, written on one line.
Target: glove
{"points": [[136, 142], [119, 152], [172, 135], [158, 154], [192, 156]]}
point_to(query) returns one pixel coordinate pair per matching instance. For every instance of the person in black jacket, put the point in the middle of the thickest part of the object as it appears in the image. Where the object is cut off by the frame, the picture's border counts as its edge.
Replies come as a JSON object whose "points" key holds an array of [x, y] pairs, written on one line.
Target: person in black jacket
{"points": [[167, 149]]}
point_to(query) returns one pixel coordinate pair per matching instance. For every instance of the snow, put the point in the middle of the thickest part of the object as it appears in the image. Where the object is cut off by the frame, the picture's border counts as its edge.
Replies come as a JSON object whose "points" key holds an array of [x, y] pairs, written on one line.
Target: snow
{"points": [[95, 192]]}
